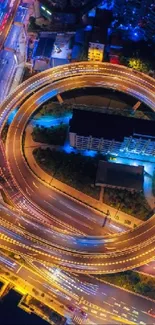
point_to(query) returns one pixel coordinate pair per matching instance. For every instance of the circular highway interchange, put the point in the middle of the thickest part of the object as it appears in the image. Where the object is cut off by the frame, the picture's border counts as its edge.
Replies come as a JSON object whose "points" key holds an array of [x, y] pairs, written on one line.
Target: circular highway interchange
{"points": [[82, 253]]}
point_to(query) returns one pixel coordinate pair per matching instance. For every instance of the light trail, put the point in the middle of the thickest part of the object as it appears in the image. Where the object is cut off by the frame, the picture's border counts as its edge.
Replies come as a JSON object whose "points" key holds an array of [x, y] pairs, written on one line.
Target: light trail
{"points": [[106, 253]]}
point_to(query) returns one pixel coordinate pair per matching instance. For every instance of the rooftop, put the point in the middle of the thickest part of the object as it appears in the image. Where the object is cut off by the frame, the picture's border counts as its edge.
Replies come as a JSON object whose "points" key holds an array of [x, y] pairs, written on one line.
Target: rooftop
{"points": [[108, 126], [120, 175]]}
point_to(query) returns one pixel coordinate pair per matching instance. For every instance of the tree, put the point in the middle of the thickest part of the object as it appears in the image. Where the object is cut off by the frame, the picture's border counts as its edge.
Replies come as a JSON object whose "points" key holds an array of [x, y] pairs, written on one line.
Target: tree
{"points": [[14, 278], [7, 273], [142, 288], [135, 278], [35, 291], [32, 20], [139, 65], [123, 60]]}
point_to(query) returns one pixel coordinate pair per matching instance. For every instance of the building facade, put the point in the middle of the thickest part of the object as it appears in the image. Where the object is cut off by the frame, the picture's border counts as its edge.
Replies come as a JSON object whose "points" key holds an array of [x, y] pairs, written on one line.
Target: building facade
{"points": [[134, 13], [111, 134], [150, 25], [95, 51], [137, 144]]}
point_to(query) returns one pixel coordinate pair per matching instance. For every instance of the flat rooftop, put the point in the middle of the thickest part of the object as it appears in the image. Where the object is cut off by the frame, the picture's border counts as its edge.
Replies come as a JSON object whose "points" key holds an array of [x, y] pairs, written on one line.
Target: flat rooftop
{"points": [[109, 126], [120, 175]]}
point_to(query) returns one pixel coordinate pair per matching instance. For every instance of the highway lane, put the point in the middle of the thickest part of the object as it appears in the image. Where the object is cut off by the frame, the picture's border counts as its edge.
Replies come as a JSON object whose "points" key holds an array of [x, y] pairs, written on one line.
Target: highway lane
{"points": [[11, 11], [79, 263], [101, 297], [96, 299], [54, 291], [148, 269], [32, 229]]}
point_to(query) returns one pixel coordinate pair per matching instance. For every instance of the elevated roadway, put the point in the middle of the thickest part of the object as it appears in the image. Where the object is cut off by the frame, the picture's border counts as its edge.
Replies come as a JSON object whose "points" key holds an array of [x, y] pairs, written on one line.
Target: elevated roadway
{"points": [[80, 254]]}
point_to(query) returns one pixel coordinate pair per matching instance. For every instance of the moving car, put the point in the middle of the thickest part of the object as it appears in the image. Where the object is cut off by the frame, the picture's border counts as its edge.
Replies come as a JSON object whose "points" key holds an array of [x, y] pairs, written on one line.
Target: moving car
{"points": [[151, 312]]}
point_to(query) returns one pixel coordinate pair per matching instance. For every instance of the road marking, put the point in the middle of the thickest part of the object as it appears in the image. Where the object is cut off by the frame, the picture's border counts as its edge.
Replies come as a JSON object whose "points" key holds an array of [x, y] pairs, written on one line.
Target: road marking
{"points": [[52, 197], [19, 269], [27, 191], [84, 214], [35, 185]]}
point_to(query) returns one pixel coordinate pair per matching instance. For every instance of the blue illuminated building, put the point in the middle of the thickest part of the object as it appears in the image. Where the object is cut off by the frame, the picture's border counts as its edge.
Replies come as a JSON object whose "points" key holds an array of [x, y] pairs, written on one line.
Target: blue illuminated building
{"points": [[49, 121], [111, 134], [139, 14], [150, 26]]}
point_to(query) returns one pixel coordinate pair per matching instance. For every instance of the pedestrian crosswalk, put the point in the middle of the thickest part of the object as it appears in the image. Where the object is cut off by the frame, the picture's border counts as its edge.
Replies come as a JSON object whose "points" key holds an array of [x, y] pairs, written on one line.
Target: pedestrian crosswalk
{"points": [[78, 320]]}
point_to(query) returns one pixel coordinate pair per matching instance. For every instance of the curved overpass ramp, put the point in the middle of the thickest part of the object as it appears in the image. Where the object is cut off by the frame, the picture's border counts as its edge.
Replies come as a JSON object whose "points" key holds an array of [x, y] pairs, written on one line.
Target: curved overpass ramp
{"points": [[81, 254]]}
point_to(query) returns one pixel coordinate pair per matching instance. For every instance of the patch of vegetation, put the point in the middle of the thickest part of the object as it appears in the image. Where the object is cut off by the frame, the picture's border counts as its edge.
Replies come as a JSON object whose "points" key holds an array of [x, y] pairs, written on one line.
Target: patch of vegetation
{"points": [[55, 135], [5, 197], [72, 169], [60, 110], [33, 27], [131, 203], [55, 109], [4, 132], [137, 64], [28, 74], [133, 281]]}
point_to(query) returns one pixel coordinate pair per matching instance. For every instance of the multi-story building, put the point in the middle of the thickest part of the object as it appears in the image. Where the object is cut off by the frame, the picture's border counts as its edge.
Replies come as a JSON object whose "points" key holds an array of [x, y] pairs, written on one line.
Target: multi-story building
{"points": [[120, 176], [96, 46], [70, 3], [150, 25], [95, 51], [79, 3], [111, 134], [131, 12]]}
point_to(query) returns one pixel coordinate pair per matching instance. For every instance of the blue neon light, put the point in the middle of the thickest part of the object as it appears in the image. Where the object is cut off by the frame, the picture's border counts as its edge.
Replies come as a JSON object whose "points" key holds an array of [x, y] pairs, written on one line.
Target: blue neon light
{"points": [[48, 121], [12, 115], [46, 96]]}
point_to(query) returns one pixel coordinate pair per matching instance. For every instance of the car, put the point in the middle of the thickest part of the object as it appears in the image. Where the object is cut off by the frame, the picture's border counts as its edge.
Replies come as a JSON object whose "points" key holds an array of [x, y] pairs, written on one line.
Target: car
{"points": [[126, 308], [151, 312], [135, 312], [117, 304], [71, 308], [17, 257], [113, 158], [83, 313]]}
